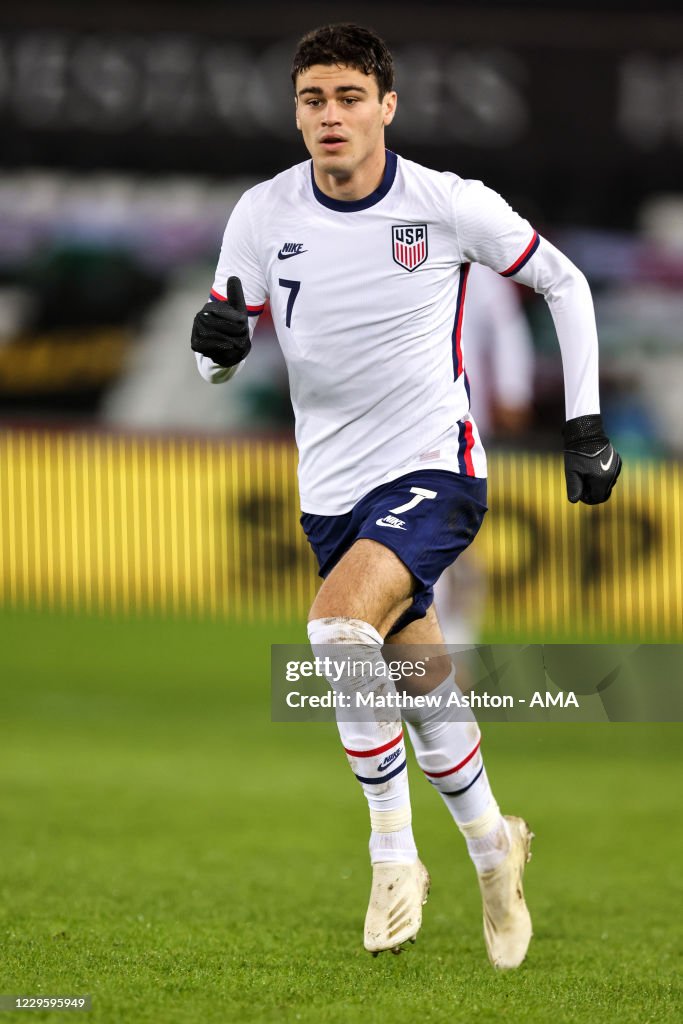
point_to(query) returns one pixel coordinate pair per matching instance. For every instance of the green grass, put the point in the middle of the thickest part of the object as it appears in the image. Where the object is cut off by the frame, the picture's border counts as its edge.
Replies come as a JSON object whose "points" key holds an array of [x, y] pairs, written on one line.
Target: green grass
{"points": [[167, 849]]}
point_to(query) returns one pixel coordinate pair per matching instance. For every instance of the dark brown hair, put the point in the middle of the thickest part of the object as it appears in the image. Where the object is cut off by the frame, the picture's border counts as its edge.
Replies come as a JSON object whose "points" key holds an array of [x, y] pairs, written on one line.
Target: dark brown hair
{"points": [[350, 45]]}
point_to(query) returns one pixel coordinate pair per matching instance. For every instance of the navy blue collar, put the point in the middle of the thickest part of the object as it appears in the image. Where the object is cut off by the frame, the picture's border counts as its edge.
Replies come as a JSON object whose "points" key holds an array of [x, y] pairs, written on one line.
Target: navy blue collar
{"points": [[353, 205]]}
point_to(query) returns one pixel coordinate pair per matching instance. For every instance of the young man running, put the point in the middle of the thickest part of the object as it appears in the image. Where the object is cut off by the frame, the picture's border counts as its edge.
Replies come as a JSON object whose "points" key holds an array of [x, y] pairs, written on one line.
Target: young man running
{"points": [[365, 257]]}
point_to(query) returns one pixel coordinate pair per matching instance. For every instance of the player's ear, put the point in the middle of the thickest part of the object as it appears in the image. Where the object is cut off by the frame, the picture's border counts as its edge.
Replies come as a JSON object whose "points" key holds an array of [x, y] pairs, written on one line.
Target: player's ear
{"points": [[389, 107], [296, 112]]}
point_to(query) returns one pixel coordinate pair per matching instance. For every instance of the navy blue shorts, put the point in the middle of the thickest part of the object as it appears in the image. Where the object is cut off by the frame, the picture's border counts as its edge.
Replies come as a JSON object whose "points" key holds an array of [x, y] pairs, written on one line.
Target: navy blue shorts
{"points": [[427, 518]]}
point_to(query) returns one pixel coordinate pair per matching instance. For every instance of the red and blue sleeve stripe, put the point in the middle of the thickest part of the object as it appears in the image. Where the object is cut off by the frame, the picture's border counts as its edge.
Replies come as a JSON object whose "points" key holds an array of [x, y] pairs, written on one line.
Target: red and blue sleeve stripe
{"points": [[215, 296], [522, 260]]}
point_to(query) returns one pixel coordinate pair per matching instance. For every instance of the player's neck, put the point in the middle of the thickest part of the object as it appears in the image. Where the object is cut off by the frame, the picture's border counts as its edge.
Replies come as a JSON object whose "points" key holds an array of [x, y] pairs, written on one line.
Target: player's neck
{"points": [[362, 182]]}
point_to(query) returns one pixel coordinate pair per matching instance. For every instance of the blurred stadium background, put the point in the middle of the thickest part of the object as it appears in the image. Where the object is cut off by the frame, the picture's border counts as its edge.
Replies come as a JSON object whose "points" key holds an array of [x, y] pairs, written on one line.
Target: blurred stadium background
{"points": [[125, 144], [149, 541]]}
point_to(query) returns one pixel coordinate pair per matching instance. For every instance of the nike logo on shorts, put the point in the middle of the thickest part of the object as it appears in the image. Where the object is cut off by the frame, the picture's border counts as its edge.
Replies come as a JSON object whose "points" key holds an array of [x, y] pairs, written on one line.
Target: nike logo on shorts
{"points": [[396, 524]]}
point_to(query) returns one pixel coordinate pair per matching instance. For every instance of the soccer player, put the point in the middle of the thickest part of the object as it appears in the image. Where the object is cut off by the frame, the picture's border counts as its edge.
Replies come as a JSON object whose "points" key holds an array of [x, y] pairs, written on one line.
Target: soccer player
{"points": [[365, 258]]}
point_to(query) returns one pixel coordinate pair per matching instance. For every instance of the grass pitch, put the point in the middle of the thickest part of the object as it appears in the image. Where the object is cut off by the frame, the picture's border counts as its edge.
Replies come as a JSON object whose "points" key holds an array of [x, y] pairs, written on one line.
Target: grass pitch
{"points": [[168, 850]]}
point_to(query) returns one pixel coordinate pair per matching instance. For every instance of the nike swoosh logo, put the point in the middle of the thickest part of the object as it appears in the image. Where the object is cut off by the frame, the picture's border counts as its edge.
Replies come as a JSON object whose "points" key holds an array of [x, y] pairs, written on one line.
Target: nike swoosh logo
{"points": [[394, 526], [288, 255], [606, 465], [387, 763]]}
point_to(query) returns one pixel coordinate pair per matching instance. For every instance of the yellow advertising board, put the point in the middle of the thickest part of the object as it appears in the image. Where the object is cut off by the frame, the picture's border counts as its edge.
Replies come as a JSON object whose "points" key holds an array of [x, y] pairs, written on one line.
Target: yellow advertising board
{"points": [[186, 526]]}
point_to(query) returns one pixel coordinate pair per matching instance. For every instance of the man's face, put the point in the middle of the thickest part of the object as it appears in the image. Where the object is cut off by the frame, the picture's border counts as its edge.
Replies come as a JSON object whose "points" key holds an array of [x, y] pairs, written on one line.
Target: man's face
{"points": [[341, 116]]}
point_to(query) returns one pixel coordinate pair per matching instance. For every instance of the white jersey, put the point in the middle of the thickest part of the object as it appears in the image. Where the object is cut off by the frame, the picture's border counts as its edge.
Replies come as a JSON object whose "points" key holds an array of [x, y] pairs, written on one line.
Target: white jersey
{"points": [[367, 299]]}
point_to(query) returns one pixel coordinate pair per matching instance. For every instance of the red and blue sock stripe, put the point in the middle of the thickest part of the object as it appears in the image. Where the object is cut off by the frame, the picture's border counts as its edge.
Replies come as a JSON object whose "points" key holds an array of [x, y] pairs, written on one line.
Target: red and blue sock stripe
{"points": [[457, 767], [384, 749], [463, 789]]}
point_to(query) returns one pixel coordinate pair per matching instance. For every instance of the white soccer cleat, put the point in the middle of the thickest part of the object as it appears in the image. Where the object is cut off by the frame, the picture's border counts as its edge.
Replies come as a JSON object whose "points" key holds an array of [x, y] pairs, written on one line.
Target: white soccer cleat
{"points": [[399, 891], [507, 924]]}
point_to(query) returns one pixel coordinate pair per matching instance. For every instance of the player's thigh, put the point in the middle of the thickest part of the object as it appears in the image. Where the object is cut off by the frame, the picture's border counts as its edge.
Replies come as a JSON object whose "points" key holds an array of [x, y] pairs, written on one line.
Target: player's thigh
{"points": [[425, 631], [422, 641], [370, 583]]}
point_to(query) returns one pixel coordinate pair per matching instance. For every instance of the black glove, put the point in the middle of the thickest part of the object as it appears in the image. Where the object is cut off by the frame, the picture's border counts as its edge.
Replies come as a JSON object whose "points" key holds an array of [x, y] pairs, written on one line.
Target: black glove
{"points": [[591, 465], [221, 329]]}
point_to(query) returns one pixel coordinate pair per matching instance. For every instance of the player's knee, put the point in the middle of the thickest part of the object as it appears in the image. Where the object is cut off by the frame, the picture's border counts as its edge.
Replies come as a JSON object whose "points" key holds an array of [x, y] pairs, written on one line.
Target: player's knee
{"points": [[357, 662], [341, 630]]}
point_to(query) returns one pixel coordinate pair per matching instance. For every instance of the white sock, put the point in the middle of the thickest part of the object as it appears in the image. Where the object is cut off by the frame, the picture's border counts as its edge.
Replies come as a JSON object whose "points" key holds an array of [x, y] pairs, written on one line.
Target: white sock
{"points": [[375, 749], [487, 838], [449, 754], [392, 847], [492, 849]]}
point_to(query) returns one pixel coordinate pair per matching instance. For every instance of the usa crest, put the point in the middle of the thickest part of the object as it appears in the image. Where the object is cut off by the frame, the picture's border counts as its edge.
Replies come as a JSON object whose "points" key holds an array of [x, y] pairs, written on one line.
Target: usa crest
{"points": [[409, 244]]}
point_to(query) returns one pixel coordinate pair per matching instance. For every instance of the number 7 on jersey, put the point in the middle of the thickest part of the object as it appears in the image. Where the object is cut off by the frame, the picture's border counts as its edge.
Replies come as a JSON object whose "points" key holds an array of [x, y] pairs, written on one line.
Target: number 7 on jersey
{"points": [[293, 292]]}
